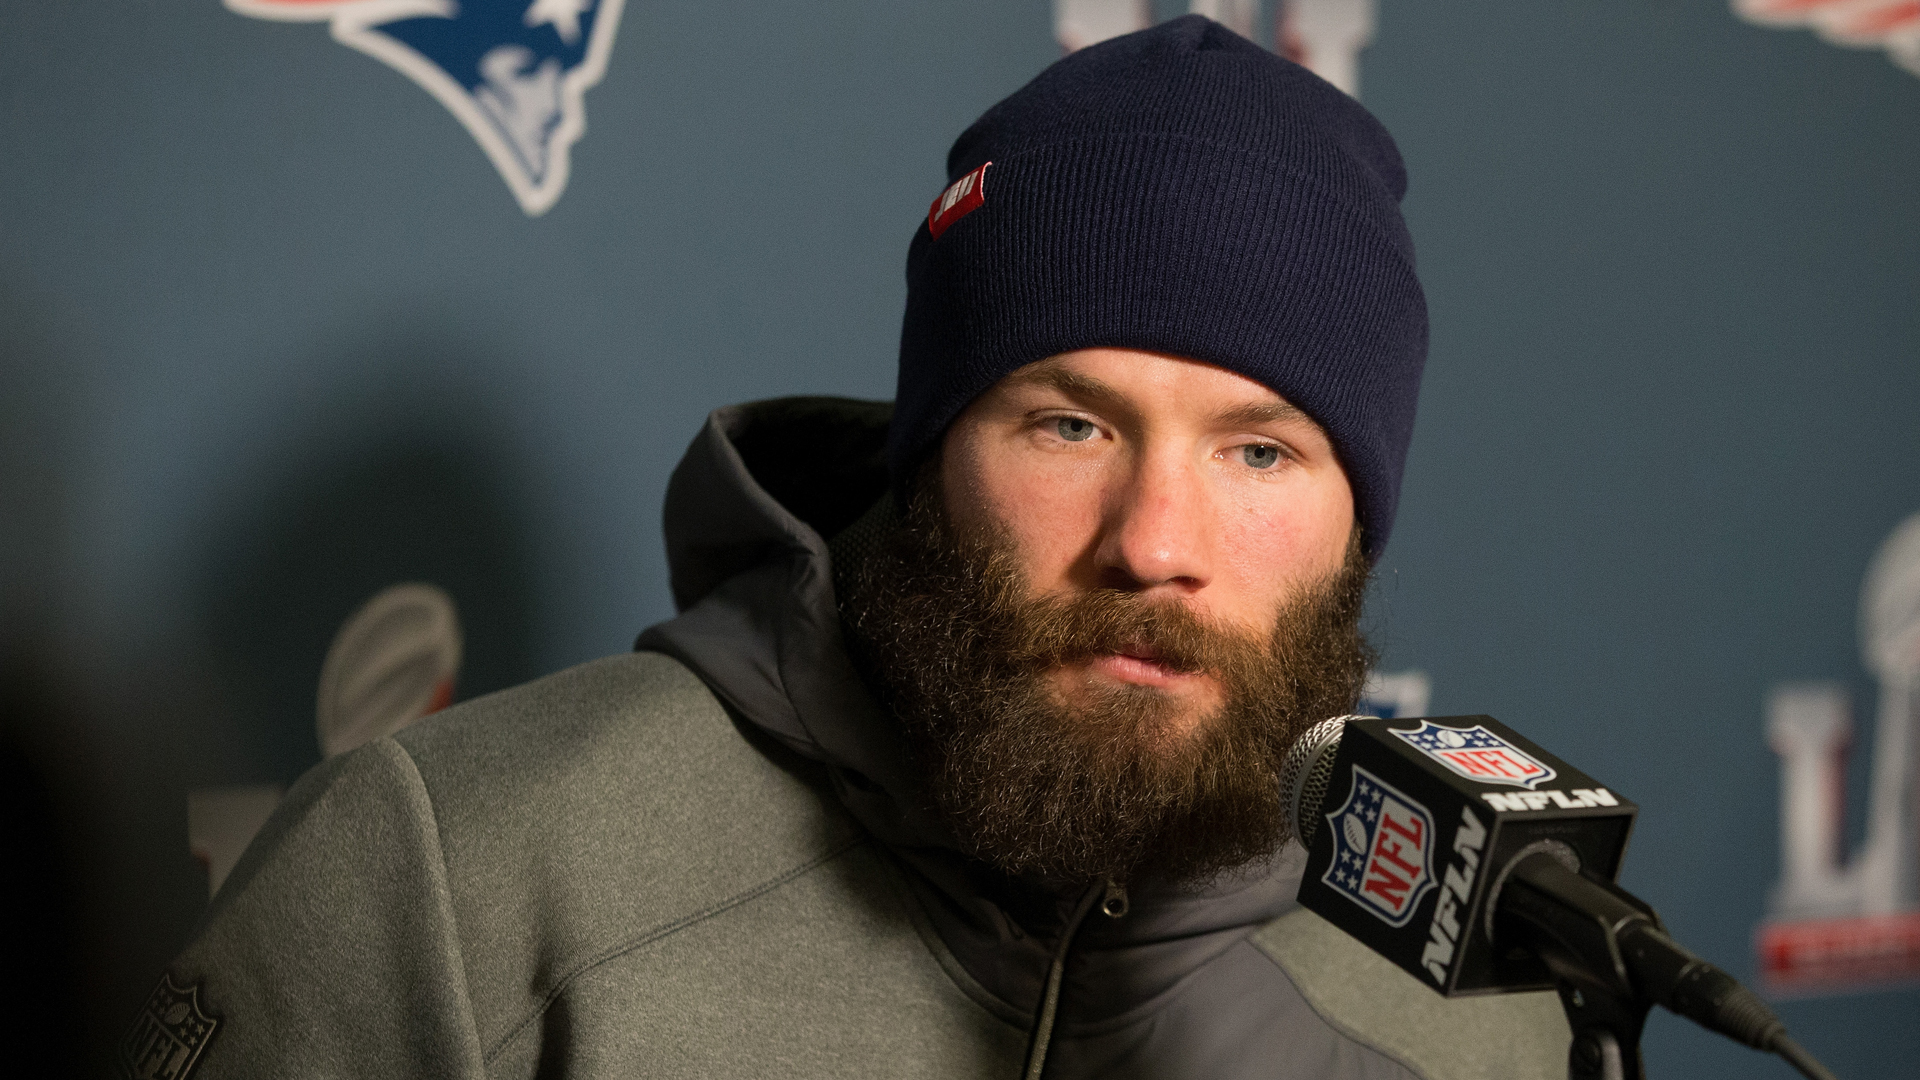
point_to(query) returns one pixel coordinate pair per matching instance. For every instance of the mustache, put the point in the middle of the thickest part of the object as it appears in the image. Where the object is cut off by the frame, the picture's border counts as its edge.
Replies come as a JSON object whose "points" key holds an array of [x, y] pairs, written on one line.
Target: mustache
{"points": [[1024, 633], [1055, 630]]}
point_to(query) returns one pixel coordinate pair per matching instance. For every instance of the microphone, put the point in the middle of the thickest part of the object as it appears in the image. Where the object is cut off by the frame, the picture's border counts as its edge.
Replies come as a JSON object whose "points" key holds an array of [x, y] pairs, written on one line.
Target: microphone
{"points": [[1480, 863]]}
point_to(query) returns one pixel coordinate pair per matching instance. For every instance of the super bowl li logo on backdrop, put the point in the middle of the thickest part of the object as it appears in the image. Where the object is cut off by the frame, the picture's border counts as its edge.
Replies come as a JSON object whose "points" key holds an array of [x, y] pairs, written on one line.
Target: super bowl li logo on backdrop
{"points": [[1835, 924], [1382, 848], [515, 73]]}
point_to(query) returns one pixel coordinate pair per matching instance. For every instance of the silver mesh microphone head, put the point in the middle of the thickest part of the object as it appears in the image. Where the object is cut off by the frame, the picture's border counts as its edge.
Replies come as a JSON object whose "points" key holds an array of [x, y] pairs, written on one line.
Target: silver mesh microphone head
{"points": [[1305, 774]]}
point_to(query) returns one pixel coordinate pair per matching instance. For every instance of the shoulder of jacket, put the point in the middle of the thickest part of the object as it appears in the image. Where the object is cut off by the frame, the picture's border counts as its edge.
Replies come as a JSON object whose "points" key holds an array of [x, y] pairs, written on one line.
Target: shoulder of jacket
{"points": [[416, 902], [624, 731], [590, 813], [1372, 1001], [629, 742]]}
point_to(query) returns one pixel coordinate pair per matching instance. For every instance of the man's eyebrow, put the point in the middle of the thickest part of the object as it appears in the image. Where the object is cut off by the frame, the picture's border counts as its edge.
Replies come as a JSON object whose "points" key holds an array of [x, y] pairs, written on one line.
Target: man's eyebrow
{"points": [[1265, 412], [1071, 383], [1093, 391]]}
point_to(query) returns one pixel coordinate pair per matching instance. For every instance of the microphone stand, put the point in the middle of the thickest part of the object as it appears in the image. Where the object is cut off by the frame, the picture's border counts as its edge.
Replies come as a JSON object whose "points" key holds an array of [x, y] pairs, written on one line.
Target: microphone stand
{"points": [[1574, 925], [1612, 962]]}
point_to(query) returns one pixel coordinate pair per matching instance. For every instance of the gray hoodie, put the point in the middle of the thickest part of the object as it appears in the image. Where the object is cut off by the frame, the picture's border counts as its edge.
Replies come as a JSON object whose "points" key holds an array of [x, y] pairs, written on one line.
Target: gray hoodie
{"points": [[707, 858]]}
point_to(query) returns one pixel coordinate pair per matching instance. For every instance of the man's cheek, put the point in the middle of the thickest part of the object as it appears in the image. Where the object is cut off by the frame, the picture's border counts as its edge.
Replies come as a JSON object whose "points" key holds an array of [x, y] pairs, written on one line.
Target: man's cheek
{"points": [[1270, 569], [1044, 531]]}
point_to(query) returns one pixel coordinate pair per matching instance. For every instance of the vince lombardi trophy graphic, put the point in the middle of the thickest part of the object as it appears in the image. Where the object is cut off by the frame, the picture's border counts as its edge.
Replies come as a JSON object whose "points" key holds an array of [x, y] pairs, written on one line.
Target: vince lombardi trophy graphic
{"points": [[1835, 924]]}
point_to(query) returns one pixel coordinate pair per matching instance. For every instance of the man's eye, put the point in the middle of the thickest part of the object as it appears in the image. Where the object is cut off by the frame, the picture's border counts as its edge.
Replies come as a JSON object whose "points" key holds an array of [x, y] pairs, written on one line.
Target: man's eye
{"points": [[1260, 455], [1074, 429]]}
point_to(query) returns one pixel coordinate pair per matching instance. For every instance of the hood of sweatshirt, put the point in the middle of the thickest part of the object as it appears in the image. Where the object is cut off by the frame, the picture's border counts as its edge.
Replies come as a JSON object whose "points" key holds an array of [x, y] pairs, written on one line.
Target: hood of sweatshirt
{"points": [[749, 511]]}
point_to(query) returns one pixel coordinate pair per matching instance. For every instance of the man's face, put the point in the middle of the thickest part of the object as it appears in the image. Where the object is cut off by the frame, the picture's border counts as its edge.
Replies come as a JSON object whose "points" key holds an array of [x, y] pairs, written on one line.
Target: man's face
{"points": [[1125, 587], [1169, 479]]}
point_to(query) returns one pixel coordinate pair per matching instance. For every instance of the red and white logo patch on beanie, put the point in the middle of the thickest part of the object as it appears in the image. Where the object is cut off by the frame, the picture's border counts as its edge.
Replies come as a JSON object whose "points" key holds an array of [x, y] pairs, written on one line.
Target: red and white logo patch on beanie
{"points": [[961, 198]]}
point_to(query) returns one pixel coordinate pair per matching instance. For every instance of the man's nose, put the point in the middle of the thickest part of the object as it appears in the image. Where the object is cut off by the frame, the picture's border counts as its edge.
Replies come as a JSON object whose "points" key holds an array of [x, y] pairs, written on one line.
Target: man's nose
{"points": [[1156, 531]]}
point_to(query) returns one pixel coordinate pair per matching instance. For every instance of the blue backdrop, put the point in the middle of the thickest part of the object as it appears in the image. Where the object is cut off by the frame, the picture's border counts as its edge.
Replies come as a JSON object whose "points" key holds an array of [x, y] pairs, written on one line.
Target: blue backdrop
{"points": [[274, 334]]}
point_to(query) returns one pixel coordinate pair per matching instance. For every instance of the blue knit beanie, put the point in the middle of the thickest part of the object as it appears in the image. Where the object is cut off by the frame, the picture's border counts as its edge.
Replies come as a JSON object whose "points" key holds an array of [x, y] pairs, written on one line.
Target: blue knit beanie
{"points": [[1178, 190]]}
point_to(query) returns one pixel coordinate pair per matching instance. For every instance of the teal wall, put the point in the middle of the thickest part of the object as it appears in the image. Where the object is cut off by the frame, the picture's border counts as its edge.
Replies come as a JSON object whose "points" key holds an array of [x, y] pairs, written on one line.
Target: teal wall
{"points": [[273, 334]]}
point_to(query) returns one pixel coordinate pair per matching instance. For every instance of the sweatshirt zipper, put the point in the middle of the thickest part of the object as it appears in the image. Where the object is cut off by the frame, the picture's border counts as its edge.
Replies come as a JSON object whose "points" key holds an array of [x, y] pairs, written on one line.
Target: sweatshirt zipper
{"points": [[1112, 897]]}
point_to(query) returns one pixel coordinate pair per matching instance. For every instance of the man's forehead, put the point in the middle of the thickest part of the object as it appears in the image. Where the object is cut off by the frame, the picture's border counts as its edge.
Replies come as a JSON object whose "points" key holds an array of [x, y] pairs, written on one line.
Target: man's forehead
{"points": [[1069, 374]]}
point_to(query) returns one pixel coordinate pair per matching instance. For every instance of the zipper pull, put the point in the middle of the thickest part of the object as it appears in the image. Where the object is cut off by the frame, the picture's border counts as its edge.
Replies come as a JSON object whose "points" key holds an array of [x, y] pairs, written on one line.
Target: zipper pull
{"points": [[1114, 904]]}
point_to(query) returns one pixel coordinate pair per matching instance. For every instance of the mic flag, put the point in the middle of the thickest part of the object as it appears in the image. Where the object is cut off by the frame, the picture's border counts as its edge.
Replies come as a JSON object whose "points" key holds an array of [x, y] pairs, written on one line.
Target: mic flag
{"points": [[1418, 819]]}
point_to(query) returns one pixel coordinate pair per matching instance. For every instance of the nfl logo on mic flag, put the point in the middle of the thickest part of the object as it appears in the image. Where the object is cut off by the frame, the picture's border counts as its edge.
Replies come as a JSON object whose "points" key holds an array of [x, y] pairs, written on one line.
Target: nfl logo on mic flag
{"points": [[1382, 840], [1478, 754]]}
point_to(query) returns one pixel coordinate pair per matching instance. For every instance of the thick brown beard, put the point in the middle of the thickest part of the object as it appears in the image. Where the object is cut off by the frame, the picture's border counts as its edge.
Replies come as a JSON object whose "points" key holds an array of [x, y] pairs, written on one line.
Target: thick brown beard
{"points": [[945, 628]]}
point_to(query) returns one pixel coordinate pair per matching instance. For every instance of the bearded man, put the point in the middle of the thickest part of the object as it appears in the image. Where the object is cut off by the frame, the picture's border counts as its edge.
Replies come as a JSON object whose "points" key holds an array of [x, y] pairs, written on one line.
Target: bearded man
{"points": [[961, 758]]}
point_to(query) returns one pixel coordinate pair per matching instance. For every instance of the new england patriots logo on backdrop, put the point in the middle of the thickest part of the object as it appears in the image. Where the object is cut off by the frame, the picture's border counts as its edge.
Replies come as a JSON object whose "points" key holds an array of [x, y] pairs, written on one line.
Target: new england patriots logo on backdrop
{"points": [[515, 72]]}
